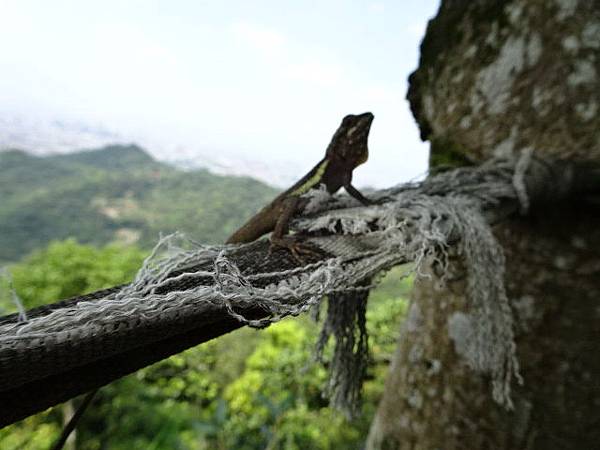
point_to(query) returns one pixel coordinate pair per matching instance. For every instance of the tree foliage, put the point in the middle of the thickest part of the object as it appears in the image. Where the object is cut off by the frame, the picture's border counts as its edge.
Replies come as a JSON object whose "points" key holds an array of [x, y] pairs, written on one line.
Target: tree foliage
{"points": [[247, 390], [115, 194]]}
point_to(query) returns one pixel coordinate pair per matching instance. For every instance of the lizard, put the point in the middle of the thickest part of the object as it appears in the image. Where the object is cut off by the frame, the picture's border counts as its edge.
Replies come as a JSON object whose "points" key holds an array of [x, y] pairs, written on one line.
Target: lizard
{"points": [[347, 150]]}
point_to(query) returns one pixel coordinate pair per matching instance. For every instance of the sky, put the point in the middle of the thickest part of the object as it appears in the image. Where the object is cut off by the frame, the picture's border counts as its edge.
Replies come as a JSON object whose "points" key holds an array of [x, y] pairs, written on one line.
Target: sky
{"points": [[266, 80]]}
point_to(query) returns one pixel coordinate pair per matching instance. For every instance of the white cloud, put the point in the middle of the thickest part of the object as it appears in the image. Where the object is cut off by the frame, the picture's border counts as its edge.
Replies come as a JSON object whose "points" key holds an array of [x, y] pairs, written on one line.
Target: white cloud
{"points": [[315, 72], [287, 59], [379, 93], [260, 38], [275, 92], [377, 7]]}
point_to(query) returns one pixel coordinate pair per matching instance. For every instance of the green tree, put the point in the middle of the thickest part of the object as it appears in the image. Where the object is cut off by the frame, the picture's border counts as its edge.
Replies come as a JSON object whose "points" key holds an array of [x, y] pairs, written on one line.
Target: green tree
{"points": [[64, 269], [246, 390], [277, 401]]}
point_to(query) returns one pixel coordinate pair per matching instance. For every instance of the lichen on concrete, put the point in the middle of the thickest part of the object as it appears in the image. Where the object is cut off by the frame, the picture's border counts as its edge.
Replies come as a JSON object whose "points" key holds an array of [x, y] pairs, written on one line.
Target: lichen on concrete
{"points": [[495, 81], [571, 44], [415, 354], [514, 12], [460, 330], [590, 35], [584, 73], [414, 319], [465, 122], [415, 399], [507, 146], [534, 49], [428, 107], [587, 111], [552, 107], [566, 8], [435, 367], [476, 82]]}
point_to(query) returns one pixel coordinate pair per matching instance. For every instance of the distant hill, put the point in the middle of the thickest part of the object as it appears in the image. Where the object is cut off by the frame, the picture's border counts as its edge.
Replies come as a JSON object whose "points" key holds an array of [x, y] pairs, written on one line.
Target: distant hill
{"points": [[43, 134], [116, 193]]}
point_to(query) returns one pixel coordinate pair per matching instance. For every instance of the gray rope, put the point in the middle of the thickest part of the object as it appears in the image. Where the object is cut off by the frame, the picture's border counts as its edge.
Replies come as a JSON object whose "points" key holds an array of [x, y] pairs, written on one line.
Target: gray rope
{"points": [[415, 223]]}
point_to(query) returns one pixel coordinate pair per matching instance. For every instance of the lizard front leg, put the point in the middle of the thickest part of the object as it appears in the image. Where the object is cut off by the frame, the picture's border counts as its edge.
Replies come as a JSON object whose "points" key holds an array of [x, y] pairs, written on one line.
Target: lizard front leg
{"points": [[356, 194], [282, 226], [280, 236]]}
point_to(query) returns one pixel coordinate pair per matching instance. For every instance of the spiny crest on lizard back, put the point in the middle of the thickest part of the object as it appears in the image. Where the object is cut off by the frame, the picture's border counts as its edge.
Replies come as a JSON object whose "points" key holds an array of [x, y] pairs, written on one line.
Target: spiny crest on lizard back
{"points": [[349, 142]]}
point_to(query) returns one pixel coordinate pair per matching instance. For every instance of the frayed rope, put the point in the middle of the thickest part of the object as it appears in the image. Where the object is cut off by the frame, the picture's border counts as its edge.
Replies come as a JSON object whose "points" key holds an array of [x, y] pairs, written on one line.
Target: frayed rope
{"points": [[417, 223]]}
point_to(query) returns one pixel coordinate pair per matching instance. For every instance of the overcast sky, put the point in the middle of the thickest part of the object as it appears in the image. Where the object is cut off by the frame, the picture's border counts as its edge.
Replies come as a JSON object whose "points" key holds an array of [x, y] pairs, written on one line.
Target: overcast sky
{"points": [[267, 79]]}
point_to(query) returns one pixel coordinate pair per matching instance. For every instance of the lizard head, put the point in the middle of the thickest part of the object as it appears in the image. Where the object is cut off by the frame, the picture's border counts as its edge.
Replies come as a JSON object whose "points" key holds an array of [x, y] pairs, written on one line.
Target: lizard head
{"points": [[349, 143]]}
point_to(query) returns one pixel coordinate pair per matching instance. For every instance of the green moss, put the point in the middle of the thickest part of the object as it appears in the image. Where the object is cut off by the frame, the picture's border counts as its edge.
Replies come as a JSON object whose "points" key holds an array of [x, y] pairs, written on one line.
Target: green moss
{"points": [[447, 153]]}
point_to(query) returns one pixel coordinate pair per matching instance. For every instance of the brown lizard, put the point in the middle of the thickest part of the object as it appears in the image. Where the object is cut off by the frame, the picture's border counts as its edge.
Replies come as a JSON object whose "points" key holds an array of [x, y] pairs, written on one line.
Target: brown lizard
{"points": [[348, 149]]}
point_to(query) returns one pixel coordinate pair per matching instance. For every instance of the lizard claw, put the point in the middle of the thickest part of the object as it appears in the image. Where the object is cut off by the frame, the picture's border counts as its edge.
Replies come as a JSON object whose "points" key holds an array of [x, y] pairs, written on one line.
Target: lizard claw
{"points": [[382, 200], [301, 252]]}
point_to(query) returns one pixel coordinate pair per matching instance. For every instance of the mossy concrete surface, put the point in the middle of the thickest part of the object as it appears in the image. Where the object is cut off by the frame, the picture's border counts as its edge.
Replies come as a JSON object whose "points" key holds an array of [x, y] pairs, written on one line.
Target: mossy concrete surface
{"points": [[500, 76], [508, 78]]}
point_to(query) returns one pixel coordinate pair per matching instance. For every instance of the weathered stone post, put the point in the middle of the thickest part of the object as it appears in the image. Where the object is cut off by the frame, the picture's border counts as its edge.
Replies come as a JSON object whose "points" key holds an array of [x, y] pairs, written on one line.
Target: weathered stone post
{"points": [[500, 78]]}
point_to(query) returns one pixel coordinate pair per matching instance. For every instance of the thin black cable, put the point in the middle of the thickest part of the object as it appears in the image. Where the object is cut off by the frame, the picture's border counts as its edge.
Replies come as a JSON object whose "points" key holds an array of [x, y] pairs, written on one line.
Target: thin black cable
{"points": [[58, 445]]}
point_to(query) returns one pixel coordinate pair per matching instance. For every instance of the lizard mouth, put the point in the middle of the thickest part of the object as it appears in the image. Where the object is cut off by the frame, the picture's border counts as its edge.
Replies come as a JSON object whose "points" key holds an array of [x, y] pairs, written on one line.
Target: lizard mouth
{"points": [[366, 119]]}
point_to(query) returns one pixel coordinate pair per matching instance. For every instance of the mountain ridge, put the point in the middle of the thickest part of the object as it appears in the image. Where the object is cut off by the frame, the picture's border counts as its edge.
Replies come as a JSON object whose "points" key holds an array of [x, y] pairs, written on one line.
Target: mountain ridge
{"points": [[118, 193], [44, 135]]}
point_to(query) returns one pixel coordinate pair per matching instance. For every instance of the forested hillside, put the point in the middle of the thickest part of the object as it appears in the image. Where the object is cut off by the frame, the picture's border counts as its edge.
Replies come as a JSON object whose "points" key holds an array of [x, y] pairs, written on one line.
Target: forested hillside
{"points": [[247, 390], [115, 194]]}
